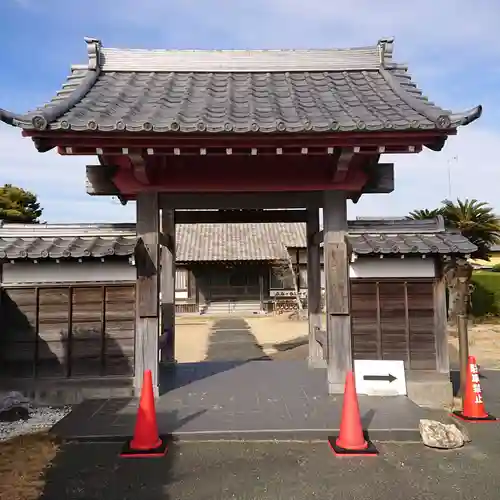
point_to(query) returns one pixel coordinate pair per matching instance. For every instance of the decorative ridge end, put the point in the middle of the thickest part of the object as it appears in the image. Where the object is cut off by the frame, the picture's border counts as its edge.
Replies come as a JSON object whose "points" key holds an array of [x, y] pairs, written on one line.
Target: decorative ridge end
{"points": [[93, 50], [440, 223], [467, 116], [385, 47]]}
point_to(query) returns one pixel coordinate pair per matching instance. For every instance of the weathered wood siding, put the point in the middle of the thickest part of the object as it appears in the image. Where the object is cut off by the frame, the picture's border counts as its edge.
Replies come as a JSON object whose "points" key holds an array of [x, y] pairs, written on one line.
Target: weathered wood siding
{"points": [[394, 319], [67, 331]]}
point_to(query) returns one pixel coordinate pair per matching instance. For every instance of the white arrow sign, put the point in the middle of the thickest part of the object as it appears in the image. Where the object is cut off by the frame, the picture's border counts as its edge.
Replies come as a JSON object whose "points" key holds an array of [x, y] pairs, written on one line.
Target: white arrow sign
{"points": [[380, 377]]}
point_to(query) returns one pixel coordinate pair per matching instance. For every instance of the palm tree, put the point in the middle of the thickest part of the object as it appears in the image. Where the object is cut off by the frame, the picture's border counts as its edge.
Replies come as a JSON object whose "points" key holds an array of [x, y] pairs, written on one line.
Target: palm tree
{"points": [[425, 213], [478, 223]]}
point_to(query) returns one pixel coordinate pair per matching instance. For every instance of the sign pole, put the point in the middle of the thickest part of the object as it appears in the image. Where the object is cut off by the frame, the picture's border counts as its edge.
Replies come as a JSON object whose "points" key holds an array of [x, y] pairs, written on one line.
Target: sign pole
{"points": [[463, 337], [463, 348]]}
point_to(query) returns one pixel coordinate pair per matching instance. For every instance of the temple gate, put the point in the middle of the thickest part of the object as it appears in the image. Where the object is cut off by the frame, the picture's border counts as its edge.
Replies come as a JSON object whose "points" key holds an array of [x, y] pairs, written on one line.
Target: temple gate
{"points": [[239, 132]]}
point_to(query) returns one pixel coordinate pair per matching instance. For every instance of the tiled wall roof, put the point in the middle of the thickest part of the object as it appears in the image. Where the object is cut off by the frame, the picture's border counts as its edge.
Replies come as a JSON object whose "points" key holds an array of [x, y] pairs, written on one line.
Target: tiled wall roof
{"points": [[224, 242]]}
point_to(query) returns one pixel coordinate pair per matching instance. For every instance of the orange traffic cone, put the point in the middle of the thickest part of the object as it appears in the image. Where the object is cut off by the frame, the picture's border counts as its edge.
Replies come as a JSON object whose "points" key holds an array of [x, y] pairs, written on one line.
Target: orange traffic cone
{"points": [[473, 410], [146, 441], [351, 440]]}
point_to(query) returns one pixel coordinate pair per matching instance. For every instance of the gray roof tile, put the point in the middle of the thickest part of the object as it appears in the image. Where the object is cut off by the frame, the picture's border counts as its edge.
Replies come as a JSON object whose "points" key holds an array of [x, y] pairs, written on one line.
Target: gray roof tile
{"points": [[240, 91], [223, 242]]}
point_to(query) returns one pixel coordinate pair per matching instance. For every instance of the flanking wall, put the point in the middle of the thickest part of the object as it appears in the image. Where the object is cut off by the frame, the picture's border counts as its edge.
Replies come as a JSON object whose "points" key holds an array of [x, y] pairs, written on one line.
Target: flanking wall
{"points": [[76, 319], [67, 331]]}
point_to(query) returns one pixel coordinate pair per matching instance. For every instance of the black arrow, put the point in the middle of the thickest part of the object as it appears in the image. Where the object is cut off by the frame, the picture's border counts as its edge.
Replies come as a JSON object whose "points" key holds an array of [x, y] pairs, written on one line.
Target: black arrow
{"points": [[382, 378]]}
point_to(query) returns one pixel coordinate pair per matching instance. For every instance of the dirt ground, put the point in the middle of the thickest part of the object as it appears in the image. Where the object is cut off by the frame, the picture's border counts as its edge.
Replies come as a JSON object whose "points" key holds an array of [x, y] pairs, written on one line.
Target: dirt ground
{"points": [[484, 344], [191, 339], [274, 335], [22, 463]]}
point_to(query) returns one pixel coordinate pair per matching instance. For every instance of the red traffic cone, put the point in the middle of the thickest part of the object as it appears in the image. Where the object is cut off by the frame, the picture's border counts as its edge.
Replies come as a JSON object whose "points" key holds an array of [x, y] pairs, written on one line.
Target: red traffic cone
{"points": [[146, 441], [351, 440], [473, 410]]}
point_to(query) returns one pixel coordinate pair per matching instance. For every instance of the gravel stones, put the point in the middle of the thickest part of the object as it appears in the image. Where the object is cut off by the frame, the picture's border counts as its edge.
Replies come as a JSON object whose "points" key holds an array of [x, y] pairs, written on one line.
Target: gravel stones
{"points": [[18, 416]]}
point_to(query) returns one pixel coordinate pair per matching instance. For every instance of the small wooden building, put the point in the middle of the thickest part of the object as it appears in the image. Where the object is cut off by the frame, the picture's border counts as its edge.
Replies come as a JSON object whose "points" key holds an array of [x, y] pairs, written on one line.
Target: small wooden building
{"points": [[68, 291]]}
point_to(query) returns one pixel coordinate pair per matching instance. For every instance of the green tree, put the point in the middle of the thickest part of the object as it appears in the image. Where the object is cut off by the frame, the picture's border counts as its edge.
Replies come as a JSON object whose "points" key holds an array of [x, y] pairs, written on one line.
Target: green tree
{"points": [[479, 224], [19, 205]]}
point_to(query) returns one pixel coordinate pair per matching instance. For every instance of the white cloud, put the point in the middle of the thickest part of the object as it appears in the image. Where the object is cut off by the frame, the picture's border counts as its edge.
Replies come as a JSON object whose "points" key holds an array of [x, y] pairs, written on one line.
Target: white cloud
{"points": [[59, 181]]}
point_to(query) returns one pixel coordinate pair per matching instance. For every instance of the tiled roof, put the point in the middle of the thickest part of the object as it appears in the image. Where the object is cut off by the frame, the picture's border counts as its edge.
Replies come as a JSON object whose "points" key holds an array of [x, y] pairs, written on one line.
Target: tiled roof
{"points": [[219, 242], [240, 91]]}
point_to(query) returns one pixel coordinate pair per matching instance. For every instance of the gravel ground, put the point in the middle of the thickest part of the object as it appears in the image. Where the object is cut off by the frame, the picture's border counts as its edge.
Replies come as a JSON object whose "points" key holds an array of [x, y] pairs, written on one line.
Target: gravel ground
{"points": [[40, 418]]}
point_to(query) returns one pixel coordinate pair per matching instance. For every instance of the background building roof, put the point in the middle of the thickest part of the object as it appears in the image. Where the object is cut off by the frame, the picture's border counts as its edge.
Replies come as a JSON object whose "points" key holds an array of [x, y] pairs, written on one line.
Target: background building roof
{"points": [[225, 242], [240, 91]]}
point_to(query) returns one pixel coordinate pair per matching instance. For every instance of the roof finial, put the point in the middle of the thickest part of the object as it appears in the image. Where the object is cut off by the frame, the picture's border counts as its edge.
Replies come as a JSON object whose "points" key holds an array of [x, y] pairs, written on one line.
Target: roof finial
{"points": [[93, 50], [385, 46]]}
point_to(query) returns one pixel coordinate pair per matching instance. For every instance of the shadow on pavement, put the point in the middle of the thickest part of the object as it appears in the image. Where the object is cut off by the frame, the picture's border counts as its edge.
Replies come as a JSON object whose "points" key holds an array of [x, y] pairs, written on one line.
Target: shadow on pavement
{"points": [[231, 344], [114, 420], [96, 471]]}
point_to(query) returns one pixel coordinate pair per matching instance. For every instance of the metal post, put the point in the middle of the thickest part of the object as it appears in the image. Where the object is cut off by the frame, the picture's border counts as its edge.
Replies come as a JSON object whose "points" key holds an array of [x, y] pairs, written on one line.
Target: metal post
{"points": [[463, 348], [463, 337]]}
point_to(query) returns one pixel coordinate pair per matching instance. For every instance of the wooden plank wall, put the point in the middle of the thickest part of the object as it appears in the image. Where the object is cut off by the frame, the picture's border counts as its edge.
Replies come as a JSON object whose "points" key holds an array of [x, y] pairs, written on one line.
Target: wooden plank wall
{"points": [[67, 332], [394, 319]]}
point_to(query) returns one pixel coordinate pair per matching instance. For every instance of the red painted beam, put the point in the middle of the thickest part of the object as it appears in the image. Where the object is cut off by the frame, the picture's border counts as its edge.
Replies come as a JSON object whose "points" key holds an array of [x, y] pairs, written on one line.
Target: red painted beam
{"points": [[220, 180]]}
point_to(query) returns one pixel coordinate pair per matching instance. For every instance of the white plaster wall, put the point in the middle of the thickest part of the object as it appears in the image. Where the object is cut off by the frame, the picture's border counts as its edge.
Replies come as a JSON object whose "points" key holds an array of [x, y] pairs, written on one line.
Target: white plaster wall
{"points": [[411, 267], [67, 272], [375, 267], [72, 272]]}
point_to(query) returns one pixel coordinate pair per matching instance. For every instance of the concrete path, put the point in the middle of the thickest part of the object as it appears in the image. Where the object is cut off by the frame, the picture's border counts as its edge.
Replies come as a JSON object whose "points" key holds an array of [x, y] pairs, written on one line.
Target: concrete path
{"points": [[243, 400]]}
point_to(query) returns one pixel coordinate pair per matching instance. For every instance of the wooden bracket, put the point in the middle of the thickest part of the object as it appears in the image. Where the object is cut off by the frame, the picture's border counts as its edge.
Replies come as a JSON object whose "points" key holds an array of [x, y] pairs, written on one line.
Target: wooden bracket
{"points": [[140, 168], [99, 180], [380, 180], [344, 161]]}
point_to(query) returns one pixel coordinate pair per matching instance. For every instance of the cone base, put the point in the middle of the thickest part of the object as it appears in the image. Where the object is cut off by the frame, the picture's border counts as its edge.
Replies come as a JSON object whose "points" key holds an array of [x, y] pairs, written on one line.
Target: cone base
{"points": [[461, 416], [129, 452], [369, 451]]}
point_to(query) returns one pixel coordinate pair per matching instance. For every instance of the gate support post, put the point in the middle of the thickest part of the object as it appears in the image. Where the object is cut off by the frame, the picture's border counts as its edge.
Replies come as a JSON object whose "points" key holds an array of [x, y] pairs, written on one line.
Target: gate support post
{"points": [[168, 285], [147, 261], [337, 289], [315, 358]]}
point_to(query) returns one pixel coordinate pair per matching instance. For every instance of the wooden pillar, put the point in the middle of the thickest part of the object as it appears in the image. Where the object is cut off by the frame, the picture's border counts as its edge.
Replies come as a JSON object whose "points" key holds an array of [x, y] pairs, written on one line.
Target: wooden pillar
{"points": [[337, 289], [261, 287], [168, 285], [315, 358], [147, 261], [441, 327]]}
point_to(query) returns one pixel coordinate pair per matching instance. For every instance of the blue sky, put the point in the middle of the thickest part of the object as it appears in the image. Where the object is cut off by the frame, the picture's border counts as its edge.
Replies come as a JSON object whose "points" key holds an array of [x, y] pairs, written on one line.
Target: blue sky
{"points": [[452, 48]]}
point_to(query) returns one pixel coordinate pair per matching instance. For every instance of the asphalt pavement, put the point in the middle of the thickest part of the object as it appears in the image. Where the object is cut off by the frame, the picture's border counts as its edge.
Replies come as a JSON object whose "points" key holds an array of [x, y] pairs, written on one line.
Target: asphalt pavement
{"points": [[285, 470], [267, 470]]}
